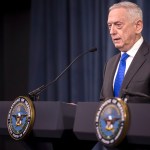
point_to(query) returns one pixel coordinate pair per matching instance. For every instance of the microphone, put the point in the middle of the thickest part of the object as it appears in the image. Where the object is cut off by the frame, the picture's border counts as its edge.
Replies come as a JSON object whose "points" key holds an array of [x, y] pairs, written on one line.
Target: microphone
{"points": [[34, 95], [126, 92]]}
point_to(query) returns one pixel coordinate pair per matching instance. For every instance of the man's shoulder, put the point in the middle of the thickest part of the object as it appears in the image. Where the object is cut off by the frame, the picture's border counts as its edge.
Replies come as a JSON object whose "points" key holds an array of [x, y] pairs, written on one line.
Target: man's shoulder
{"points": [[114, 57]]}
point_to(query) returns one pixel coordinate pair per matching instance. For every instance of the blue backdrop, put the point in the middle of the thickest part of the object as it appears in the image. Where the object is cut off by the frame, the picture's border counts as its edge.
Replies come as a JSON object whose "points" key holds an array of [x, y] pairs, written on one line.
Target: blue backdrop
{"points": [[62, 29]]}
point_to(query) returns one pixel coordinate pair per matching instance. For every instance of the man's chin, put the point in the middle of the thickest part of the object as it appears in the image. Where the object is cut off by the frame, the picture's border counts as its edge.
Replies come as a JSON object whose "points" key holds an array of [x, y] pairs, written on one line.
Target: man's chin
{"points": [[118, 46]]}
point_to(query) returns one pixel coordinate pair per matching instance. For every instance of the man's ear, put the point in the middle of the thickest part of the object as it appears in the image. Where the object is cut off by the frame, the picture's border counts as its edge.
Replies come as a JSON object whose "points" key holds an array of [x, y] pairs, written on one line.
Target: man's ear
{"points": [[139, 26]]}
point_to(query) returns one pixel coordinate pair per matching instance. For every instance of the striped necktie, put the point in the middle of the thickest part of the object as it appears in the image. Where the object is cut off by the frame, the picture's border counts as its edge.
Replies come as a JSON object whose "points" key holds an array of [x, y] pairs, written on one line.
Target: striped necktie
{"points": [[120, 74]]}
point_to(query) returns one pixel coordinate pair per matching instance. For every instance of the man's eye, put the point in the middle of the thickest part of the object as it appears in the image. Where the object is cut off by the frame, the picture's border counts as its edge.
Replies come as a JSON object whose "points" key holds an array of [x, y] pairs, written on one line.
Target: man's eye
{"points": [[119, 26]]}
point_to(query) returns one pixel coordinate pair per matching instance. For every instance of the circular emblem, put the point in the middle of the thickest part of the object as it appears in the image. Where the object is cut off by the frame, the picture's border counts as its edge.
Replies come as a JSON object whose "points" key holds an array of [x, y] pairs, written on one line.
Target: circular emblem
{"points": [[112, 119], [20, 117]]}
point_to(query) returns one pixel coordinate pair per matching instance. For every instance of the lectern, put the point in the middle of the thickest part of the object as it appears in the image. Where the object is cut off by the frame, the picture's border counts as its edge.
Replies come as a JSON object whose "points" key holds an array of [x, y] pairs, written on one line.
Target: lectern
{"points": [[139, 127], [52, 127]]}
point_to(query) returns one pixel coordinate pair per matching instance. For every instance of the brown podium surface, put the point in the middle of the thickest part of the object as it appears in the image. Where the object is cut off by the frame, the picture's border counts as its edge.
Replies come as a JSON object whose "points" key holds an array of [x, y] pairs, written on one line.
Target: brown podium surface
{"points": [[54, 119], [51, 118], [52, 129], [139, 127]]}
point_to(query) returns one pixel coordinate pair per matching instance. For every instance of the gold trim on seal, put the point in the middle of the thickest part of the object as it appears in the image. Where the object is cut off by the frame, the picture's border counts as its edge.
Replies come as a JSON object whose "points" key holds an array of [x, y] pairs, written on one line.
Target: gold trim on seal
{"points": [[21, 117], [112, 121]]}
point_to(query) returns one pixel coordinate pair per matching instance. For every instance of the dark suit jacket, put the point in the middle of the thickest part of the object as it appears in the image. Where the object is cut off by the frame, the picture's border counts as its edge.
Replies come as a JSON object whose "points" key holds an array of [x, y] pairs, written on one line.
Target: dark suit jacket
{"points": [[137, 78]]}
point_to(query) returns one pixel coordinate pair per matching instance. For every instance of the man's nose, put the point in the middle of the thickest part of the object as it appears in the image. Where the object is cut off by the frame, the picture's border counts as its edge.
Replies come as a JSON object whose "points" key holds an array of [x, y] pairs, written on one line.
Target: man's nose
{"points": [[112, 30]]}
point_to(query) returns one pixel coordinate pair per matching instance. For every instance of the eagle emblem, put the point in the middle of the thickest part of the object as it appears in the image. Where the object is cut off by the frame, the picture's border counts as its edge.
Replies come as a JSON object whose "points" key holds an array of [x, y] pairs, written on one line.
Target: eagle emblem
{"points": [[18, 118], [110, 122]]}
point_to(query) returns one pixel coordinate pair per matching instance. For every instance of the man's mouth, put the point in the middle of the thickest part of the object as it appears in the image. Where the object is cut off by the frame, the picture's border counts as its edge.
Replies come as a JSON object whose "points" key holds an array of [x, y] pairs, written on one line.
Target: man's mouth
{"points": [[116, 39]]}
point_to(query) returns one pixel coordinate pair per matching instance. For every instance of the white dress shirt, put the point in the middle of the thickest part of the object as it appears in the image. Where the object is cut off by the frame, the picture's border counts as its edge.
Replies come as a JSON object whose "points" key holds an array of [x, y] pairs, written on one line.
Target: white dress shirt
{"points": [[132, 52]]}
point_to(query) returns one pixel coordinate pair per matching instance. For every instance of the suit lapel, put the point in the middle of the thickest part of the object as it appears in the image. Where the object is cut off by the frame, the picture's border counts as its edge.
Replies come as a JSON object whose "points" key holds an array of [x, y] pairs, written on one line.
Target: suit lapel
{"points": [[111, 72], [137, 62]]}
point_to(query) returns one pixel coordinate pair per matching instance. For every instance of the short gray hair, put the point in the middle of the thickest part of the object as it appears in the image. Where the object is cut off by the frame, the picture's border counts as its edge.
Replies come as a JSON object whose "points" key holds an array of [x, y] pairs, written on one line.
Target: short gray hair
{"points": [[133, 9]]}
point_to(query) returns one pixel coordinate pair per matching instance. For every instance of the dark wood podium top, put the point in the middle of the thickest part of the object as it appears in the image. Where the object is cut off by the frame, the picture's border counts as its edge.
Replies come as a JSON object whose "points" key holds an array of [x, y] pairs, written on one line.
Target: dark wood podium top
{"points": [[51, 118], [139, 127]]}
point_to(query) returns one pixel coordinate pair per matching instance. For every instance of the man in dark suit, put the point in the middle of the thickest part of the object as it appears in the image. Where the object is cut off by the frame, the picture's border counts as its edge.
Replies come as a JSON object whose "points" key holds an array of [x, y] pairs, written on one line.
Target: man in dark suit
{"points": [[125, 23]]}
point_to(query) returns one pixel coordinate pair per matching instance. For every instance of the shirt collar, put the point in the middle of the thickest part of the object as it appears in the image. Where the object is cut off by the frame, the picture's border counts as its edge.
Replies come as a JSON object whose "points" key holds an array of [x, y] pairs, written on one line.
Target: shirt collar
{"points": [[135, 47]]}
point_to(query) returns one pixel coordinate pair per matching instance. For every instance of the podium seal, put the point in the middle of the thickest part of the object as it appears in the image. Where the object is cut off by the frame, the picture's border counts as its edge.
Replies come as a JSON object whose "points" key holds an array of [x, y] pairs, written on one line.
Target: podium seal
{"points": [[112, 119], [20, 117]]}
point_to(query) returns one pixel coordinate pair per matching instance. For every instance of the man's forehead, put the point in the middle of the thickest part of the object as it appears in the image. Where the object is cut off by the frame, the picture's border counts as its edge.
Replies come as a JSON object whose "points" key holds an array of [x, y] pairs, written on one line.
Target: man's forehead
{"points": [[115, 16]]}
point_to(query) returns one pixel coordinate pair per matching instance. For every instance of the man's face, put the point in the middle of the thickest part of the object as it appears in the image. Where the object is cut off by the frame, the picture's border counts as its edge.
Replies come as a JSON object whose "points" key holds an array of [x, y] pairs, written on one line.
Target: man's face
{"points": [[123, 31]]}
